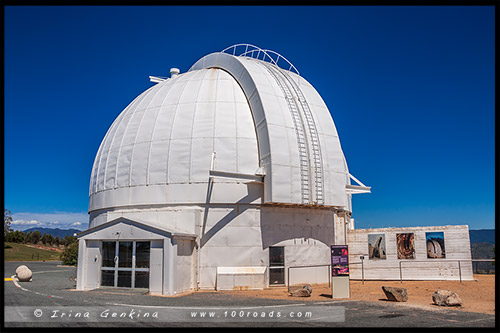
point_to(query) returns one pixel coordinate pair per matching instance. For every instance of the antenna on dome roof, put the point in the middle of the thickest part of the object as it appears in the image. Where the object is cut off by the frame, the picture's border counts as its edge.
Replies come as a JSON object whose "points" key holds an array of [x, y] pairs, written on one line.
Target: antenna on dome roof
{"points": [[252, 51]]}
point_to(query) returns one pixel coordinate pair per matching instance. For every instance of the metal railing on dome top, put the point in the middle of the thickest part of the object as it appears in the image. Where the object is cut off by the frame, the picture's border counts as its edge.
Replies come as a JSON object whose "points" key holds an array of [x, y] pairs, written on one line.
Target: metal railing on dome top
{"points": [[255, 52]]}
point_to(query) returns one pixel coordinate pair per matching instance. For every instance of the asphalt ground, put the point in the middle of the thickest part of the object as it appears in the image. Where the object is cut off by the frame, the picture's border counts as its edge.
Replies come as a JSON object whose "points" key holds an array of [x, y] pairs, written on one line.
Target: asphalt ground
{"points": [[51, 300]]}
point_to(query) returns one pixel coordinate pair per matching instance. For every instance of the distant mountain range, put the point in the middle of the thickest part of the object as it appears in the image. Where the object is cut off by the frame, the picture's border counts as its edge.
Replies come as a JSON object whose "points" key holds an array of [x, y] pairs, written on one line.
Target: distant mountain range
{"points": [[55, 232], [482, 236], [482, 244]]}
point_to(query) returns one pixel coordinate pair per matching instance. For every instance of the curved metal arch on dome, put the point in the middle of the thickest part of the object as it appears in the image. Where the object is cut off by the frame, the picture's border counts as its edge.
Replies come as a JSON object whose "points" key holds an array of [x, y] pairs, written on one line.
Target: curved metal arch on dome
{"points": [[254, 81], [255, 52]]}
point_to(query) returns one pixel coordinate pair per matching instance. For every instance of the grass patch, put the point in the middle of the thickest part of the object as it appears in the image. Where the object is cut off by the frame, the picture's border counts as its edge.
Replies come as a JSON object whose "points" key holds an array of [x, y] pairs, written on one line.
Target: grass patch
{"points": [[22, 252]]}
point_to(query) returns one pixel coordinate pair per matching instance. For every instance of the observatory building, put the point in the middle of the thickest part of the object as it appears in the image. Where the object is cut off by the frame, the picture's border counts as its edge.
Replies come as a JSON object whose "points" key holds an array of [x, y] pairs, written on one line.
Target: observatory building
{"points": [[221, 177]]}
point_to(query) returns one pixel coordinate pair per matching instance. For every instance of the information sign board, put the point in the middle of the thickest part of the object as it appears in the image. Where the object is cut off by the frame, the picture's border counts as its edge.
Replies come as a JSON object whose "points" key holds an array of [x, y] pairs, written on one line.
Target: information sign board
{"points": [[340, 260]]}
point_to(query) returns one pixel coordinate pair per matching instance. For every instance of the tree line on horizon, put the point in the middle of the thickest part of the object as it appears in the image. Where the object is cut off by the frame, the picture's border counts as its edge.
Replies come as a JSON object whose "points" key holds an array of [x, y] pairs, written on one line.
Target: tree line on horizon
{"points": [[68, 257], [32, 237], [36, 237]]}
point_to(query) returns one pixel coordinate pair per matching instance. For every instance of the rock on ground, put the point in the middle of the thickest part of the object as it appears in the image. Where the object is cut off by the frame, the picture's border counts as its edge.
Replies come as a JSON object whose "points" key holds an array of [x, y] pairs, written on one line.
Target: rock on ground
{"points": [[395, 294], [303, 291], [19, 268], [446, 298], [24, 274]]}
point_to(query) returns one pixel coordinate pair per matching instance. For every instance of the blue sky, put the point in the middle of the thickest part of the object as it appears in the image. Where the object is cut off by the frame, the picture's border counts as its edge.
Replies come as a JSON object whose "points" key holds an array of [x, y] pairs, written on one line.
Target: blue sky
{"points": [[410, 88]]}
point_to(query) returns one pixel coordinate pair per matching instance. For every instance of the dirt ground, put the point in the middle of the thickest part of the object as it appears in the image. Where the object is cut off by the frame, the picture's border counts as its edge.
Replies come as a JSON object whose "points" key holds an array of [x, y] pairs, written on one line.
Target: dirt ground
{"points": [[44, 247], [477, 295]]}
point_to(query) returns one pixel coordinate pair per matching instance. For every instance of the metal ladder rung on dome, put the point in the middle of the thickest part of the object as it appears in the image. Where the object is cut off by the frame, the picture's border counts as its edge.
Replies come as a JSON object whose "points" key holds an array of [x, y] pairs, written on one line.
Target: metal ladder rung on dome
{"points": [[315, 145], [300, 134]]}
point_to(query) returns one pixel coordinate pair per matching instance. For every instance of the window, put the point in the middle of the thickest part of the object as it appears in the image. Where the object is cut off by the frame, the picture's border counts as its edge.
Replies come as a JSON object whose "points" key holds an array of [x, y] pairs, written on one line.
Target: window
{"points": [[276, 265]]}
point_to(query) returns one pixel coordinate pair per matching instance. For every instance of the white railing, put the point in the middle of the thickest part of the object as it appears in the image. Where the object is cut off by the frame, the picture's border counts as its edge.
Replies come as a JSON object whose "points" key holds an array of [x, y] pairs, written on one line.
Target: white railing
{"points": [[458, 261], [255, 52]]}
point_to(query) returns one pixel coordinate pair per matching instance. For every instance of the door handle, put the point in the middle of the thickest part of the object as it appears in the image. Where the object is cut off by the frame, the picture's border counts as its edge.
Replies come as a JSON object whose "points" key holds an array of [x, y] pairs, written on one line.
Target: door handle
{"points": [[115, 259]]}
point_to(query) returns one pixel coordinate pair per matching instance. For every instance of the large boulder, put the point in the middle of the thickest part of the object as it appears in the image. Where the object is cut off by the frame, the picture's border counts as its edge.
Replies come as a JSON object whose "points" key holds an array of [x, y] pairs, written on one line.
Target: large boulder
{"points": [[446, 298], [19, 268], [24, 274], [302, 291], [395, 294]]}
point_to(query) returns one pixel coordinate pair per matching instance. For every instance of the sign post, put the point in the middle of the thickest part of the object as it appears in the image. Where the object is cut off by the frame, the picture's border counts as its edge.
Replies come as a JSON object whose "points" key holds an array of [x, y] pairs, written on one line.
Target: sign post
{"points": [[340, 271]]}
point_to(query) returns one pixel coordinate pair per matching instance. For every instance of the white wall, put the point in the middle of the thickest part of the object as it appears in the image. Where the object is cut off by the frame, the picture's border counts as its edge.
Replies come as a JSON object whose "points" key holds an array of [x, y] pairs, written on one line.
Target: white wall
{"points": [[230, 236], [306, 235], [156, 267], [184, 264], [457, 247], [235, 235], [241, 236]]}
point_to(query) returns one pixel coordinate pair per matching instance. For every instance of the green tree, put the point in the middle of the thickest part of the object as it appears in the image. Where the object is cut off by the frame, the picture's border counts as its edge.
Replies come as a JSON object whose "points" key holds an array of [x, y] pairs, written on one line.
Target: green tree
{"points": [[7, 220], [44, 239], [28, 237], [35, 237], [68, 239], [16, 236], [50, 239], [70, 254]]}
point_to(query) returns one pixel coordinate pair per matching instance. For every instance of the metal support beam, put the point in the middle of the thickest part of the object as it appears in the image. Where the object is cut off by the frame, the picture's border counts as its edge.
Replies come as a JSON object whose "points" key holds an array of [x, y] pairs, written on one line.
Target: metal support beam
{"points": [[353, 189], [157, 79], [226, 174]]}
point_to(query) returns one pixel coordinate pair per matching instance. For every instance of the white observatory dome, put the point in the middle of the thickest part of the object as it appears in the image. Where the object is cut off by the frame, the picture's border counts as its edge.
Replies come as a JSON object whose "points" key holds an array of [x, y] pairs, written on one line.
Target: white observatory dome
{"points": [[234, 114], [162, 144], [233, 167]]}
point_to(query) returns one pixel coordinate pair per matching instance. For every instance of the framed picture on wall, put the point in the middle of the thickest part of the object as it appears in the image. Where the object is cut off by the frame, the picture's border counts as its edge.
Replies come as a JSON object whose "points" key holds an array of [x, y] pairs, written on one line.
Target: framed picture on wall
{"points": [[376, 246], [406, 245], [435, 245]]}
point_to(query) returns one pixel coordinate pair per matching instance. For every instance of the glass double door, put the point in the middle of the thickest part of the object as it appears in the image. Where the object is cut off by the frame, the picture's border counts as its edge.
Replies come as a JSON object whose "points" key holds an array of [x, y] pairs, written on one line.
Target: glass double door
{"points": [[125, 264]]}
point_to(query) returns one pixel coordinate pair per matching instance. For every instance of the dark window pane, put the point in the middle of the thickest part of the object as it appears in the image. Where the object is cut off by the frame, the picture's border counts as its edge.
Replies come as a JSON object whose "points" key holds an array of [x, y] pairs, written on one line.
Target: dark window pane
{"points": [[141, 279], [107, 278], [125, 279], [125, 254], [142, 255], [276, 276], [276, 256], [108, 254]]}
